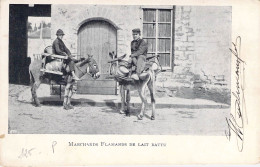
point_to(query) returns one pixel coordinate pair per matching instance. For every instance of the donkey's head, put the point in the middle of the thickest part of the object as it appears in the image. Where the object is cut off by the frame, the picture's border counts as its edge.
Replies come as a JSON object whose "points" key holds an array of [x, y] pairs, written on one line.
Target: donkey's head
{"points": [[88, 66]]}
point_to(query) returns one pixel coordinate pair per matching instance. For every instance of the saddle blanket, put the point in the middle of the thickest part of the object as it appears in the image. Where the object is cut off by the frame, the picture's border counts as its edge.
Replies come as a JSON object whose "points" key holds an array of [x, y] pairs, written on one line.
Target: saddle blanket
{"points": [[55, 65], [125, 68]]}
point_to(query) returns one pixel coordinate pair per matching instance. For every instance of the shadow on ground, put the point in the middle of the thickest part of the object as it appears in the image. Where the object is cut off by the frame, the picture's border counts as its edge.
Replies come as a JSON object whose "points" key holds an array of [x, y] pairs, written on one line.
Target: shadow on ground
{"points": [[202, 93]]}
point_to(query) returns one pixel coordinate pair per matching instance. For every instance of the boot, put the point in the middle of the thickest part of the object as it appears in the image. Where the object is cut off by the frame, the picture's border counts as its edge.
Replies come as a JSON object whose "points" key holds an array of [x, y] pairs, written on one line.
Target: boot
{"points": [[143, 75], [135, 77], [74, 76]]}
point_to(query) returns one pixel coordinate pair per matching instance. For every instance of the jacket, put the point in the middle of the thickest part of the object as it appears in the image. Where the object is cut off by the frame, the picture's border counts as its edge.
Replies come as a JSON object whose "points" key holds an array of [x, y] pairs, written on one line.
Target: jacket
{"points": [[59, 48], [138, 47]]}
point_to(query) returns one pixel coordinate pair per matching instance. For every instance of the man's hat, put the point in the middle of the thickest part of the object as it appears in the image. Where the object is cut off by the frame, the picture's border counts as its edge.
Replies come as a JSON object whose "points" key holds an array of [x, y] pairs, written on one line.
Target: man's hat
{"points": [[60, 32], [136, 30]]}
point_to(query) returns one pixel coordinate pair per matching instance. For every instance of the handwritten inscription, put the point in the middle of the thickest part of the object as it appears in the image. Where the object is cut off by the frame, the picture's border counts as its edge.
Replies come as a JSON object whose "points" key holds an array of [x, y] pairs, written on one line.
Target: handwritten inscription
{"points": [[26, 153], [237, 118], [53, 145]]}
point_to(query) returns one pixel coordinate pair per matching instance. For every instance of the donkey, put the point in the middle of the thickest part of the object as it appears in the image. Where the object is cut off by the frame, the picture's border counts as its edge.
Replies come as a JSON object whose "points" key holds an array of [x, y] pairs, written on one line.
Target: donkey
{"points": [[37, 77], [127, 85]]}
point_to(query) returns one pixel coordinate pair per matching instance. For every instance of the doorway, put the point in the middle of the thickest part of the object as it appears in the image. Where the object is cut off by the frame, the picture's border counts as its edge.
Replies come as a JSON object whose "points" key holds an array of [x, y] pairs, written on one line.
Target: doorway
{"points": [[97, 38]]}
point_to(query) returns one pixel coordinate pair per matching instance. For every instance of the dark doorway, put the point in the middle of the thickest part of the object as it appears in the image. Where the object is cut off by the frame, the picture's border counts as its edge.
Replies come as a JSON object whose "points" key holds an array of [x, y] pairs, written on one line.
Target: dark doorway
{"points": [[18, 61]]}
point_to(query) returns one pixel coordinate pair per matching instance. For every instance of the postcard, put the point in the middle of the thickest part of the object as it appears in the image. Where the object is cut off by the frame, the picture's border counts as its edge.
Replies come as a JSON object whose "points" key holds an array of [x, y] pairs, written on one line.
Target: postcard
{"points": [[129, 82]]}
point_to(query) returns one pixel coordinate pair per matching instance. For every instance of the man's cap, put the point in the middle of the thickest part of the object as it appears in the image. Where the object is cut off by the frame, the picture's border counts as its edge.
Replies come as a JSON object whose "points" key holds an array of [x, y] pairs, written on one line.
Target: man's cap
{"points": [[60, 32], [136, 30]]}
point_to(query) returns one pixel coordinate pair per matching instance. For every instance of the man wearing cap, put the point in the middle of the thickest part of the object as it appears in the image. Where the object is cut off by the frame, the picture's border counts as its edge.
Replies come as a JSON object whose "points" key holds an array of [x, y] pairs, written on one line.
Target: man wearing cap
{"points": [[138, 52], [59, 48]]}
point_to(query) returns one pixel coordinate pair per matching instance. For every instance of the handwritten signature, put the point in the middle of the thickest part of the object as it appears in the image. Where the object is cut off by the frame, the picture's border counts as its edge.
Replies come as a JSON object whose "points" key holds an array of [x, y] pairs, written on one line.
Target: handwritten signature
{"points": [[237, 118]]}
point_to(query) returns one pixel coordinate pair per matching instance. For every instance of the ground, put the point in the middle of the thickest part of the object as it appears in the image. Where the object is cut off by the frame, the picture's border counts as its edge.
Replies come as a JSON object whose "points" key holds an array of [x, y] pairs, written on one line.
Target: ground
{"points": [[88, 118]]}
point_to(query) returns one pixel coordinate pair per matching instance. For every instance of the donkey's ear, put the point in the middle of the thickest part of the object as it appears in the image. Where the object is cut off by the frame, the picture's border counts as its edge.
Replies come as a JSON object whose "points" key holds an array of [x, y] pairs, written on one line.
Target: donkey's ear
{"points": [[111, 55], [90, 56]]}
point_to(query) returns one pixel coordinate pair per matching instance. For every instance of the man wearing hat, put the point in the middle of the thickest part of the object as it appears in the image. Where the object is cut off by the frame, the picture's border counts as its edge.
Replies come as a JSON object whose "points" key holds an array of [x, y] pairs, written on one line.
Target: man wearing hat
{"points": [[138, 52], [59, 48]]}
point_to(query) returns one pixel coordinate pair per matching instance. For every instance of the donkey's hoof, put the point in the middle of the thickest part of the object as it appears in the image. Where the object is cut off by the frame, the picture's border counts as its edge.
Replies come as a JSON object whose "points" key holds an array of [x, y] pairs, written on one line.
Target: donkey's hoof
{"points": [[152, 117], [140, 117], [121, 112], [38, 105], [127, 114], [70, 106], [66, 107]]}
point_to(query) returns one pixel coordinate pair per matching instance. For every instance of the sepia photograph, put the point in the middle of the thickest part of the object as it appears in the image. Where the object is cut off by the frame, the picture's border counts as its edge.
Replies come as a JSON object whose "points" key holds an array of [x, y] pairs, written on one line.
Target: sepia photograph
{"points": [[129, 82], [119, 69]]}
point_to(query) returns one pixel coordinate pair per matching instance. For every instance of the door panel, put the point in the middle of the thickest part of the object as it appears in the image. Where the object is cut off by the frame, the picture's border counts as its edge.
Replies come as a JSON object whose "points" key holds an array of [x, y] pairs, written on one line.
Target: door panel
{"points": [[97, 38]]}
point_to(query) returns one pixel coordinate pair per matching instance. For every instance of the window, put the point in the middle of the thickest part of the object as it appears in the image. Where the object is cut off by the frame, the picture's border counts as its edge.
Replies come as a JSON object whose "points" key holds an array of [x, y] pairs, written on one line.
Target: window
{"points": [[157, 32], [39, 35]]}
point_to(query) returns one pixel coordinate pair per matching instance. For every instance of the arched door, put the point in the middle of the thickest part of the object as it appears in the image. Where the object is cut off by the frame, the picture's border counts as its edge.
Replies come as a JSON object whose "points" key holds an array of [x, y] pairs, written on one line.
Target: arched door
{"points": [[97, 38]]}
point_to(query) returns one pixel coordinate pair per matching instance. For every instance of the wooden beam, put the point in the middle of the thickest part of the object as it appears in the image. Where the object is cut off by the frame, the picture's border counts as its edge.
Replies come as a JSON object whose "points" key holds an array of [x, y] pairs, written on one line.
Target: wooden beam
{"points": [[55, 56], [53, 72]]}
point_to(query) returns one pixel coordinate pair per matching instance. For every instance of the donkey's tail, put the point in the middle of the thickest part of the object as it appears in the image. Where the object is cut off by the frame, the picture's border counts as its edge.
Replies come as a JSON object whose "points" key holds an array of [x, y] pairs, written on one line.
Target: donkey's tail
{"points": [[32, 80]]}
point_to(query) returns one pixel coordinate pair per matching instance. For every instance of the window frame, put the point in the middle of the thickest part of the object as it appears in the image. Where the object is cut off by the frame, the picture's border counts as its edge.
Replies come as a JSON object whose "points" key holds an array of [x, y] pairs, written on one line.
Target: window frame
{"points": [[157, 9]]}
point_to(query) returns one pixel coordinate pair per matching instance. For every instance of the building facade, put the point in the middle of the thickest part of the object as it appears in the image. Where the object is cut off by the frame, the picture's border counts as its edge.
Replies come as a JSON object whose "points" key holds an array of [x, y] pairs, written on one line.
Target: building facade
{"points": [[193, 41]]}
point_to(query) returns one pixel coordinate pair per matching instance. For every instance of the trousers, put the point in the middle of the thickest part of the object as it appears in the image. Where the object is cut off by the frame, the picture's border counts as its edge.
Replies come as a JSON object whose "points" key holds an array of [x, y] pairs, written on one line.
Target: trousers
{"points": [[139, 62], [71, 64]]}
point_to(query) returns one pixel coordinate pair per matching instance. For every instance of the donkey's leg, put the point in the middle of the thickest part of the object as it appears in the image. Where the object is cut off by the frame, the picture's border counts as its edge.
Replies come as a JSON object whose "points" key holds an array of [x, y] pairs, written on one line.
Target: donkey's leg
{"points": [[34, 88], [128, 98], [66, 96], [141, 92], [150, 85], [69, 97], [122, 93]]}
